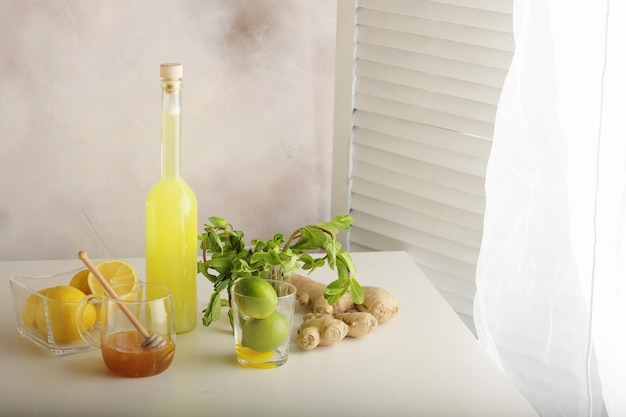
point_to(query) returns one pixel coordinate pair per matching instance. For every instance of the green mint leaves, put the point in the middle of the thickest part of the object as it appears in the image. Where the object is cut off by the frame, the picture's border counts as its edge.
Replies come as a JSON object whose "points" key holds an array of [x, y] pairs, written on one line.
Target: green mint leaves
{"points": [[230, 259]]}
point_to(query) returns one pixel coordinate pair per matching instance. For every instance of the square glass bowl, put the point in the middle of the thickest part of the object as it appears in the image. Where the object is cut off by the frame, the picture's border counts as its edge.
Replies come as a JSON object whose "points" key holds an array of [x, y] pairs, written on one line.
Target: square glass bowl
{"points": [[34, 313]]}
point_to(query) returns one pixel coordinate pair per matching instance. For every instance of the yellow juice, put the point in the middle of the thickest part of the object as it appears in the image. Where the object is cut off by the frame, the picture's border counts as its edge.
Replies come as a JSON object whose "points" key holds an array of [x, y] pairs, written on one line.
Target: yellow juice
{"points": [[172, 214], [171, 246]]}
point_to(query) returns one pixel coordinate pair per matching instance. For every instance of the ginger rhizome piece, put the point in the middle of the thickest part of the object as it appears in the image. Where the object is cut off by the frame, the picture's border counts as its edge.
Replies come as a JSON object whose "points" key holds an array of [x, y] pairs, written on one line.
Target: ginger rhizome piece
{"points": [[323, 329], [359, 323], [378, 301], [329, 324], [320, 329], [310, 294]]}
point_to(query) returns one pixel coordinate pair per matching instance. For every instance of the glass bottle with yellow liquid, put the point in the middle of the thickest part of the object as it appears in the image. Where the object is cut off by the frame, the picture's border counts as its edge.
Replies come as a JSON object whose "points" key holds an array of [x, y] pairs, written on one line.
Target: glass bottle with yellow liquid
{"points": [[172, 212]]}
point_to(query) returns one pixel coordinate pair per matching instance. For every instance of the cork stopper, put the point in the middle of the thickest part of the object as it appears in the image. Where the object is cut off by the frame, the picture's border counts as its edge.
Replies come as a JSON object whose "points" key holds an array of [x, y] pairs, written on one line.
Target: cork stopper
{"points": [[172, 71]]}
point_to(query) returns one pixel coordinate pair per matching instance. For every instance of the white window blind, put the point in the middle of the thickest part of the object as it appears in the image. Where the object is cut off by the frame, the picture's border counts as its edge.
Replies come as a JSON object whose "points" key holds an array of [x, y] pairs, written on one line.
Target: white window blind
{"points": [[417, 88]]}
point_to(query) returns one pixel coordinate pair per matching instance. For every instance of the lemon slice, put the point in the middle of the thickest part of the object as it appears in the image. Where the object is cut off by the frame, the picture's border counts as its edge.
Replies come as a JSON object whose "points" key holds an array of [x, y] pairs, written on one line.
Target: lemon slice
{"points": [[115, 272], [253, 359]]}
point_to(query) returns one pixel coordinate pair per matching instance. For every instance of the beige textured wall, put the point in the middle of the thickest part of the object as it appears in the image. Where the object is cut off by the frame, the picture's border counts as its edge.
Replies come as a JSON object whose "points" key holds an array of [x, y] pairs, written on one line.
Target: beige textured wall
{"points": [[80, 117]]}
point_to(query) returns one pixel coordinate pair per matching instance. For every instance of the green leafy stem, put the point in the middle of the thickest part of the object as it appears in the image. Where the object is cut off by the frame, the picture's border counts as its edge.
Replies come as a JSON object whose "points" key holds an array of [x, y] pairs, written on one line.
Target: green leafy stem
{"points": [[226, 258]]}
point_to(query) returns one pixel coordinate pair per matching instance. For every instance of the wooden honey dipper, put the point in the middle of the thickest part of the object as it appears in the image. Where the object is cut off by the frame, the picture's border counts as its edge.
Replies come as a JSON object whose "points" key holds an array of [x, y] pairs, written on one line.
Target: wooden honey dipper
{"points": [[152, 341]]}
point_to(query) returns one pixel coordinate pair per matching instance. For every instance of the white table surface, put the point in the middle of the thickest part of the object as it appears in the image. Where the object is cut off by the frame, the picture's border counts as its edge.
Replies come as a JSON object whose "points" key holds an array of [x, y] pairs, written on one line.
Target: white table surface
{"points": [[424, 362]]}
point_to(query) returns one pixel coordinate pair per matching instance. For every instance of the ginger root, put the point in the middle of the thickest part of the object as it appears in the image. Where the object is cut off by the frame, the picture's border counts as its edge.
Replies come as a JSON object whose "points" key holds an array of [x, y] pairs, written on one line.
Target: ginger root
{"points": [[378, 301], [359, 323], [310, 294], [329, 324], [320, 329]]}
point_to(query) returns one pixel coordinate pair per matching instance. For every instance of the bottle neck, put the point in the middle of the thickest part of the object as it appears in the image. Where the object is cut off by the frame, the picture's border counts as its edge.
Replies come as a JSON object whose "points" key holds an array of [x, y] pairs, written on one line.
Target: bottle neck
{"points": [[171, 129]]}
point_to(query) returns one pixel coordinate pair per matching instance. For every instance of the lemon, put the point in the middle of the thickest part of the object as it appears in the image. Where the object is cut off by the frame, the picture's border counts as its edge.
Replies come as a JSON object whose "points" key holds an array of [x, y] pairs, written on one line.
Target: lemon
{"points": [[252, 359], [250, 355], [265, 335], [61, 313], [29, 309], [114, 271], [79, 280], [255, 297]]}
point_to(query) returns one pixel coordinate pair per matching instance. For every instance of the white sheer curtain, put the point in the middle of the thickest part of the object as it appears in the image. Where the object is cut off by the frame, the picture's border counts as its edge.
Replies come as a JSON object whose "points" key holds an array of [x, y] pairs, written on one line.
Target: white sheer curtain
{"points": [[550, 305]]}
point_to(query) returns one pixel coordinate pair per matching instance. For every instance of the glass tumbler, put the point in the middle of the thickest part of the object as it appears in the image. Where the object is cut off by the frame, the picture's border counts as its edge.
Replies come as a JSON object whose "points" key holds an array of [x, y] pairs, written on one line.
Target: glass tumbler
{"points": [[263, 342], [121, 344]]}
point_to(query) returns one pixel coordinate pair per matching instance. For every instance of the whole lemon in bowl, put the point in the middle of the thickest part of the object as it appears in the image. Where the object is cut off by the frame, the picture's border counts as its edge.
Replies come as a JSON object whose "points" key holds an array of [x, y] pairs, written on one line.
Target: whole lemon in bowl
{"points": [[255, 297], [79, 280], [30, 308], [61, 313]]}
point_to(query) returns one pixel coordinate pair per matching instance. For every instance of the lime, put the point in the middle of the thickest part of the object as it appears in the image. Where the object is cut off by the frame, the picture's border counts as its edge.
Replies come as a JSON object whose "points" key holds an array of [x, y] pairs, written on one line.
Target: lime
{"points": [[255, 297], [265, 335]]}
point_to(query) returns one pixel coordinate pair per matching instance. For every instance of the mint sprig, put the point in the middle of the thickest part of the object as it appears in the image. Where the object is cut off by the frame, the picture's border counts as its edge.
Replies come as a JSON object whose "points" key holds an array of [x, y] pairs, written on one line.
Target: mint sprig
{"points": [[226, 258]]}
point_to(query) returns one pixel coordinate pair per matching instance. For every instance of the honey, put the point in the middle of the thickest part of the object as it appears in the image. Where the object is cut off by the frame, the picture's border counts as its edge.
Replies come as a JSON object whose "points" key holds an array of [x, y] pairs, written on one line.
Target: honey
{"points": [[123, 355]]}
